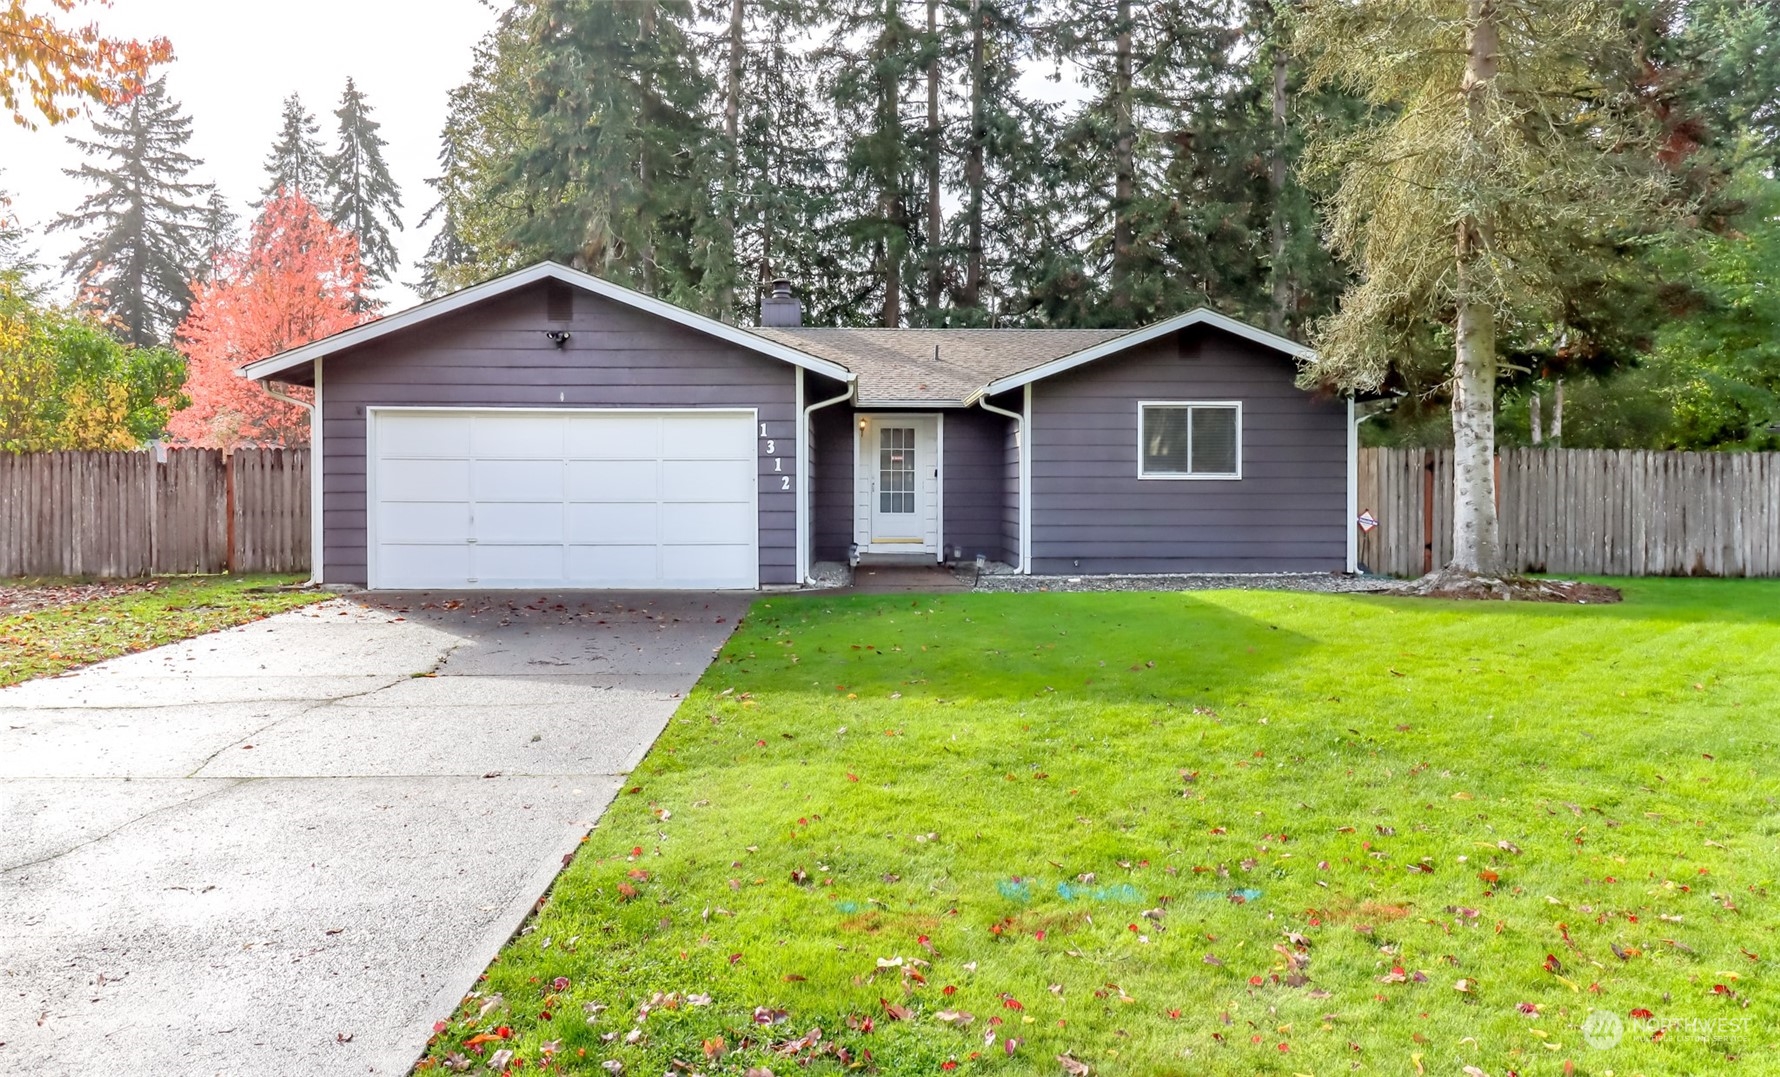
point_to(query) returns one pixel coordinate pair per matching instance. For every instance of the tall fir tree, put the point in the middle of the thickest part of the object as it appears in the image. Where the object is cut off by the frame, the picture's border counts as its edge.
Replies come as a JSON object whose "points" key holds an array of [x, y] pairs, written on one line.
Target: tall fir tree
{"points": [[142, 230], [363, 198], [221, 230], [486, 126], [295, 163], [615, 169], [870, 67]]}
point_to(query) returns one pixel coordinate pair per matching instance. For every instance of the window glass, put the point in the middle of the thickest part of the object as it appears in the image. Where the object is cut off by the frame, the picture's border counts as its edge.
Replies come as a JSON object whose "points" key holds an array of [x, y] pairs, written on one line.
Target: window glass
{"points": [[1164, 441], [1214, 441]]}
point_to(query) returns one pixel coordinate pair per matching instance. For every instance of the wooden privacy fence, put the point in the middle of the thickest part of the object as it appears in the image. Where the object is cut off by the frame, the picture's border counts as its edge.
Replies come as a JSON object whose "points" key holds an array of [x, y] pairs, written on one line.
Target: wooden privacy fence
{"points": [[121, 514], [1584, 511]]}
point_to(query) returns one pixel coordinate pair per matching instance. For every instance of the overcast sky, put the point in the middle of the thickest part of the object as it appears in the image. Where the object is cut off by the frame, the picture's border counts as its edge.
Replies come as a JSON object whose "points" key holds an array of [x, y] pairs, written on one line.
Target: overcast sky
{"points": [[234, 63]]}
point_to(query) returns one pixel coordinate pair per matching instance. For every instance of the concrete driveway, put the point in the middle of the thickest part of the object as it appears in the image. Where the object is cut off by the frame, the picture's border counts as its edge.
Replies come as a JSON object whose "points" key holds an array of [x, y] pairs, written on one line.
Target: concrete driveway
{"points": [[288, 848]]}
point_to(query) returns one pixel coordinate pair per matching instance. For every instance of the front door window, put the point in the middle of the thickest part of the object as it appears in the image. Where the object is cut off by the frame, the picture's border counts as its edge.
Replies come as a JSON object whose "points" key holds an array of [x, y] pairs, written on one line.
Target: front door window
{"points": [[896, 470]]}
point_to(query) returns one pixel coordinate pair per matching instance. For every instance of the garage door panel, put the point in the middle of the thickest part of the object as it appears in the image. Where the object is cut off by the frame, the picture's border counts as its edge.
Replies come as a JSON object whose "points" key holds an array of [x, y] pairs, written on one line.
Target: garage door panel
{"points": [[690, 521], [716, 437], [707, 480], [704, 566], [517, 480], [614, 480], [422, 435], [616, 566], [519, 521], [615, 437], [498, 564], [405, 565], [424, 521], [515, 498], [619, 523], [423, 480], [521, 436]]}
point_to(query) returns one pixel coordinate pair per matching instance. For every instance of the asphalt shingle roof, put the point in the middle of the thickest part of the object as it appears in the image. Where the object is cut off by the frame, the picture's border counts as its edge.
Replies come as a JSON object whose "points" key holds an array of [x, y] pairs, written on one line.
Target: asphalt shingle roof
{"points": [[933, 366]]}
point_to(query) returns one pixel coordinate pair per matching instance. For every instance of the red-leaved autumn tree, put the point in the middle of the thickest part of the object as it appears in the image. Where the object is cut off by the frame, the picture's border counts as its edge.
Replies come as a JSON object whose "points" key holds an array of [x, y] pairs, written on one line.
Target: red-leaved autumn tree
{"points": [[298, 280]]}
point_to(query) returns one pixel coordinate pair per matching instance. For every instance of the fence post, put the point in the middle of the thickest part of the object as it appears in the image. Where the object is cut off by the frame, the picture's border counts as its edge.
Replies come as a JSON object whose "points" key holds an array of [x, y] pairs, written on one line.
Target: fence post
{"points": [[229, 510]]}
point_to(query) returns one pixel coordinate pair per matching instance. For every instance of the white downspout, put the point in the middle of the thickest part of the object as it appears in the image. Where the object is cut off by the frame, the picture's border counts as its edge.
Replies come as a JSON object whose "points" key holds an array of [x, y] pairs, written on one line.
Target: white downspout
{"points": [[1353, 488], [314, 410], [803, 477], [1020, 440]]}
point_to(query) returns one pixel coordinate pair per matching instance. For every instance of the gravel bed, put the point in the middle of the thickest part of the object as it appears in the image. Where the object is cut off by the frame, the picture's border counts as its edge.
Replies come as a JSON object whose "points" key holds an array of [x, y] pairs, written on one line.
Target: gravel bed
{"points": [[1324, 582], [829, 574]]}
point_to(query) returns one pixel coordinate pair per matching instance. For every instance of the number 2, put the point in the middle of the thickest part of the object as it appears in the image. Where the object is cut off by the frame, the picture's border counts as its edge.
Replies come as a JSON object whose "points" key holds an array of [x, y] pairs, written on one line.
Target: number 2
{"points": [[784, 482]]}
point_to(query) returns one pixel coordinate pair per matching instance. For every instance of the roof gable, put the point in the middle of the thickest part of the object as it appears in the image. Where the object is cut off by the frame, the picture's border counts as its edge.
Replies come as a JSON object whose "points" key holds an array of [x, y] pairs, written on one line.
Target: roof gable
{"points": [[272, 366], [1126, 341]]}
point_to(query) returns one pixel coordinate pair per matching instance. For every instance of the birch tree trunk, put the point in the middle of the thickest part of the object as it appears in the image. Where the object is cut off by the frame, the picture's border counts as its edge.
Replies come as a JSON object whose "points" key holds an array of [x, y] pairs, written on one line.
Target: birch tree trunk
{"points": [[1557, 415], [1475, 541]]}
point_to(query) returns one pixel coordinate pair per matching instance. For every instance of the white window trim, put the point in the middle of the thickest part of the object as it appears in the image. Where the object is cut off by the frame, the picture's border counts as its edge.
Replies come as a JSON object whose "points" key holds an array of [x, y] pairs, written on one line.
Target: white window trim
{"points": [[1171, 476]]}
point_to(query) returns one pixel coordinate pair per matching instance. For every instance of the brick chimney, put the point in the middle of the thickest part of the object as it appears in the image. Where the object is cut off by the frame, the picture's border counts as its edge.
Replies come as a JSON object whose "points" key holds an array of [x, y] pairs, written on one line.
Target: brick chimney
{"points": [[781, 309]]}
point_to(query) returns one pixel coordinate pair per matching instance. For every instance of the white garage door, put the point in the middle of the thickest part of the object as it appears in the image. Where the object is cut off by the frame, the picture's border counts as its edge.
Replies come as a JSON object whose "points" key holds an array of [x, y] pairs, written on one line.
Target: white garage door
{"points": [[524, 498]]}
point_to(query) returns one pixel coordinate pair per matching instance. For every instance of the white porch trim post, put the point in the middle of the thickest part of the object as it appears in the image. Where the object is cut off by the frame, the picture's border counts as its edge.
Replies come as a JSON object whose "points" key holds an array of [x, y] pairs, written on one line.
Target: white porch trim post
{"points": [[800, 476], [939, 491], [317, 490], [1353, 488], [1026, 484]]}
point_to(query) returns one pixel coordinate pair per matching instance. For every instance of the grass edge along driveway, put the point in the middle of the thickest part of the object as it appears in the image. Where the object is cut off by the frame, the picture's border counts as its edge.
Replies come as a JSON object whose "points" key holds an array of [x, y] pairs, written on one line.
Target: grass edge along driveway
{"points": [[56, 639], [1228, 832]]}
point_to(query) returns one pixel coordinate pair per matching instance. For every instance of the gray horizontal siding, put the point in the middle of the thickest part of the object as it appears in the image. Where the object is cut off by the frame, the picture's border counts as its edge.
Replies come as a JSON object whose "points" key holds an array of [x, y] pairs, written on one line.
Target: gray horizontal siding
{"points": [[976, 490], [495, 355], [1091, 513], [831, 482]]}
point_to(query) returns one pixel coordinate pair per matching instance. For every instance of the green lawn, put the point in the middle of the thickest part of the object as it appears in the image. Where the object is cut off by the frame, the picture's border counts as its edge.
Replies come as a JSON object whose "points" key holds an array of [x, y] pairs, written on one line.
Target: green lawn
{"points": [[44, 642], [1222, 832]]}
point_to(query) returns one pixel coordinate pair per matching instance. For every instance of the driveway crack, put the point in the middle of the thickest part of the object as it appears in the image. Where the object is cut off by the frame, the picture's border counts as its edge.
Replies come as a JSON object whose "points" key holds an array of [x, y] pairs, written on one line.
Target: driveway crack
{"points": [[227, 784]]}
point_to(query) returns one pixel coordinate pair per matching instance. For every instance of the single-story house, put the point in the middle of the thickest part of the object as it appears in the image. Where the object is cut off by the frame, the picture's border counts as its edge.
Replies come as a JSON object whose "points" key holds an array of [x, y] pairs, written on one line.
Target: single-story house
{"points": [[551, 429]]}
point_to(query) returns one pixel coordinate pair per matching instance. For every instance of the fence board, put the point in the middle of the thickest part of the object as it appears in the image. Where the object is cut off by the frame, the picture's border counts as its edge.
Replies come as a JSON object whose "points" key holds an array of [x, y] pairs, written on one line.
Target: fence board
{"points": [[122, 514], [1587, 512]]}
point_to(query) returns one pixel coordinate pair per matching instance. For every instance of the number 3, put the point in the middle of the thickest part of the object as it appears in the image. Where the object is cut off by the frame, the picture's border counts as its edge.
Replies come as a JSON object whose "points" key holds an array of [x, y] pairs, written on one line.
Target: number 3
{"points": [[770, 448]]}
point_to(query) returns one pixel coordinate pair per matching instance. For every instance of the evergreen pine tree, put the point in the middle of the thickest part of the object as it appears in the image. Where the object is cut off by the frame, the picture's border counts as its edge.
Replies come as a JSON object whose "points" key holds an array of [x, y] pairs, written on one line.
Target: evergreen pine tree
{"points": [[142, 230], [364, 199], [614, 169], [221, 231], [294, 164], [871, 64]]}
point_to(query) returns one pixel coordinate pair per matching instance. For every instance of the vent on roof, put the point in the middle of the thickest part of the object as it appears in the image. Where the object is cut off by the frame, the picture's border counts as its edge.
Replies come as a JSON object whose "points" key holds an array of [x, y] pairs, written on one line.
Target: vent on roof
{"points": [[559, 302]]}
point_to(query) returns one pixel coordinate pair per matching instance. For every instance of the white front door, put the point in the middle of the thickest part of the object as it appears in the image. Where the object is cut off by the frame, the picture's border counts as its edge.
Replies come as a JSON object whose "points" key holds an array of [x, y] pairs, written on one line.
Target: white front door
{"points": [[899, 481]]}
